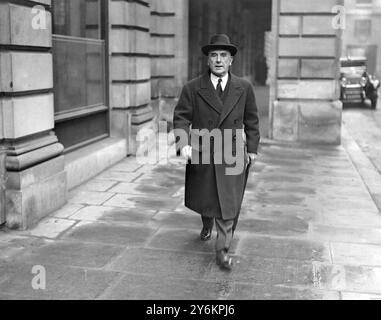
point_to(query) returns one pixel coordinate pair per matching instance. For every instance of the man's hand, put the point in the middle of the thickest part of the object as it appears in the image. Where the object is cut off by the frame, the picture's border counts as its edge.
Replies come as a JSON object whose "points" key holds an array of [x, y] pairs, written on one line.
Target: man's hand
{"points": [[186, 153]]}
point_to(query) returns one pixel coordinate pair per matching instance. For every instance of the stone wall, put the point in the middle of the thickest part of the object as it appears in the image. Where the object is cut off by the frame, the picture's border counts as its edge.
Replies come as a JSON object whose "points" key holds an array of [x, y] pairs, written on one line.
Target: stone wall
{"points": [[148, 49], [130, 70], [305, 102], [169, 53], [36, 183]]}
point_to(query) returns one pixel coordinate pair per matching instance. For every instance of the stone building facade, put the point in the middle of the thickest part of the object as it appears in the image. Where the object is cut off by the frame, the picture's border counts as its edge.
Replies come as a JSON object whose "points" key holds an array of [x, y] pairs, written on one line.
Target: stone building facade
{"points": [[80, 79], [304, 91]]}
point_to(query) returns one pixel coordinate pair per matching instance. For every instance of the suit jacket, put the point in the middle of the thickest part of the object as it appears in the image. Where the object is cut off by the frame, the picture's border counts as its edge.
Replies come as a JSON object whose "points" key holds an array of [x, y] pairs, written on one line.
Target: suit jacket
{"points": [[216, 129]]}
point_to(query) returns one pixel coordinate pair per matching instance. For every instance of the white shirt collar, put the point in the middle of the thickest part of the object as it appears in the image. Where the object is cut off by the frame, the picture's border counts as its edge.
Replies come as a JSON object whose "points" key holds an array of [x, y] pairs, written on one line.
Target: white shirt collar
{"points": [[214, 80]]}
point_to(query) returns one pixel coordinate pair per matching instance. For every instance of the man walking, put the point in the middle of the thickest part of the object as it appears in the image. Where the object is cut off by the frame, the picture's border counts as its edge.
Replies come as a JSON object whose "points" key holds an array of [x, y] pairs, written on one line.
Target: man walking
{"points": [[218, 117]]}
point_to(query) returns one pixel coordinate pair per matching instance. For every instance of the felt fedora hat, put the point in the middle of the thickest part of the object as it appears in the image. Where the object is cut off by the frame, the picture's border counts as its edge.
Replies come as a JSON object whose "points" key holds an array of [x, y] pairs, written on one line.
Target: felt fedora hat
{"points": [[220, 41]]}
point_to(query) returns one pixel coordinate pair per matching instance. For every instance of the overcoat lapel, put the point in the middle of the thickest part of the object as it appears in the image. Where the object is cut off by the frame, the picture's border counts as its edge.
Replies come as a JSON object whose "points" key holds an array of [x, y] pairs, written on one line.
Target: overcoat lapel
{"points": [[207, 92], [234, 94]]}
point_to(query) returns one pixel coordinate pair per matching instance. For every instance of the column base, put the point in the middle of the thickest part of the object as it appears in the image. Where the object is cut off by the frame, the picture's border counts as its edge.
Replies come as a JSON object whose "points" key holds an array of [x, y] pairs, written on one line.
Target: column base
{"points": [[34, 193], [307, 121]]}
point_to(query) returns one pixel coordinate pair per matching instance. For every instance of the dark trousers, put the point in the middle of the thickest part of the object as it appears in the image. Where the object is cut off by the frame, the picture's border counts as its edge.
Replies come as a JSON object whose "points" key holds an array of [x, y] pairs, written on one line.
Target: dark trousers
{"points": [[225, 231]]}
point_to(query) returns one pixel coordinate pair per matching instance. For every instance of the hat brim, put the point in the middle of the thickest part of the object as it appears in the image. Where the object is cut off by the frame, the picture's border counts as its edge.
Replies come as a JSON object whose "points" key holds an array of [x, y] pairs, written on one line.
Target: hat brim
{"points": [[210, 47]]}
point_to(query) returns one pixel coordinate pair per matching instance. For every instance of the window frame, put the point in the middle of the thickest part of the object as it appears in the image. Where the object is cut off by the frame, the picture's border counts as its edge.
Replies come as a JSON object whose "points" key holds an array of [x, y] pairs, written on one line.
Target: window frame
{"points": [[90, 110]]}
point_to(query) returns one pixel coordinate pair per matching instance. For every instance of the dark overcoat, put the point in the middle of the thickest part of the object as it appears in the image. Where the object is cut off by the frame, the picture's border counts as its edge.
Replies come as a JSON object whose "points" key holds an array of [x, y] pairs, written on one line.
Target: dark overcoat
{"points": [[209, 189]]}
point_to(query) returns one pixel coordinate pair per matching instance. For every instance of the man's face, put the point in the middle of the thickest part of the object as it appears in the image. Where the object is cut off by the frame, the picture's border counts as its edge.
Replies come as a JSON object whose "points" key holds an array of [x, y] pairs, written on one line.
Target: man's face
{"points": [[219, 62]]}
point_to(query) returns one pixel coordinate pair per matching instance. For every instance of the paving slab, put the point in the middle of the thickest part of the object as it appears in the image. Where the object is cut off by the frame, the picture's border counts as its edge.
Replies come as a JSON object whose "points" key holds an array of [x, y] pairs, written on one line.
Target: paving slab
{"points": [[67, 210], [13, 246], [142, 202], [89, 197], [141, 189], [98, 185], [161, 181], [122, 176], [251, 209], [62, 283], [284, 248], [356, 254], [70, 253], [146, 287], [352, 234], [163, 263], [105, 233], [128, 165], [129, 215], [184, 240], [5, 297], [177, 220], [283, 198], [287, 226], [267, 271], [347, 278], [351, 216], [263, 292], [284, 293], [114, 214], [359, 296], [52, 227], [92, 213]]}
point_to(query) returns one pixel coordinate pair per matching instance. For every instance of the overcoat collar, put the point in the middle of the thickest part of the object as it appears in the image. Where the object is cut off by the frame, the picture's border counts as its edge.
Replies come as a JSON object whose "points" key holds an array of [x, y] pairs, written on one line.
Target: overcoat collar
{"points": [[207, 92]]}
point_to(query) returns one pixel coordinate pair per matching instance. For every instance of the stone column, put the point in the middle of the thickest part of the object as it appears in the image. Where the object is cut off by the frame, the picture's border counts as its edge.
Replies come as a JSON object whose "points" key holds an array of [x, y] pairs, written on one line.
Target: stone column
{"points": [[163, 59], [130, 70], [181, 21], [36, 184], [304, 103]]}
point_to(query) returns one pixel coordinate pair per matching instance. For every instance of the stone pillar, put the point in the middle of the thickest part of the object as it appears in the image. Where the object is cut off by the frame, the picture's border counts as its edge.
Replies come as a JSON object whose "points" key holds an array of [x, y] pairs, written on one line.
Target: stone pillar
{"points": [[130, 70], [163, 59], [181, 21], [304, 103], [36, 184]]}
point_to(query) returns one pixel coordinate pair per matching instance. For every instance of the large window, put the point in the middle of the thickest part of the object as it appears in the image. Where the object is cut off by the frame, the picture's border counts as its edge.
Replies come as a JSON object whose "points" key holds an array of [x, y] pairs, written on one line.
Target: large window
{"points": [[80, 76]]}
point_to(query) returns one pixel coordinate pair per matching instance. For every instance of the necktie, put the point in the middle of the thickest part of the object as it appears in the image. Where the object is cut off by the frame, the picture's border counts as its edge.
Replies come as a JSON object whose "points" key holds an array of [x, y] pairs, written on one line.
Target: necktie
{"points": [[219, 88]]}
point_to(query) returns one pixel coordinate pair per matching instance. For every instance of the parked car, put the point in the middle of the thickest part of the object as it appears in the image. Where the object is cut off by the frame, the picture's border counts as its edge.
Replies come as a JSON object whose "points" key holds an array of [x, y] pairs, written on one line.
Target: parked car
{"points": [[356, 84]]}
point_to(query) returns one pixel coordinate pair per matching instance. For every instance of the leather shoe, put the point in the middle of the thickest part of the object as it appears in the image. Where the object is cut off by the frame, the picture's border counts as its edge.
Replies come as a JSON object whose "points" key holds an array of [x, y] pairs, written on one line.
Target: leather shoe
{"points": [[224, 261], [206, 234]]}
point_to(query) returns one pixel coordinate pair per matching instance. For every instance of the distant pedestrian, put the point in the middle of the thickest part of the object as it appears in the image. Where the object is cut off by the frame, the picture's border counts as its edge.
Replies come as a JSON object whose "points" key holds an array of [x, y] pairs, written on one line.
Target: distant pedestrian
{"points": [[217, 102]]}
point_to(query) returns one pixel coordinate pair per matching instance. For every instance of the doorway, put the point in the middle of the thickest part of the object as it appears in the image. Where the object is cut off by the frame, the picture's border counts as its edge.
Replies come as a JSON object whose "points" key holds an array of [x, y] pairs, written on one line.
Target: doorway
{"points": [[248, 25]]}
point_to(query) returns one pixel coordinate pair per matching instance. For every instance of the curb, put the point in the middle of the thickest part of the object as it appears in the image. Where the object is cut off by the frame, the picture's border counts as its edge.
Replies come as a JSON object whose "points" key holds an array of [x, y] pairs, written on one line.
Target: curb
{"points": [[368, 172]]}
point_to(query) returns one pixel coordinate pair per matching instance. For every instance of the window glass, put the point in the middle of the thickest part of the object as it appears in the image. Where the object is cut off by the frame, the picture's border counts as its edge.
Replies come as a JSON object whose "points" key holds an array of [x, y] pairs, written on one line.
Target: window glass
{"points": [[79, 77], [79, 69], [77, 18]]}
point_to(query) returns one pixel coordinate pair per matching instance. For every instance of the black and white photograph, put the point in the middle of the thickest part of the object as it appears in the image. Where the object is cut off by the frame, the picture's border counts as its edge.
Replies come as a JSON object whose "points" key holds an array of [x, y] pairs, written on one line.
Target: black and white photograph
{"points": [[197, 151]]}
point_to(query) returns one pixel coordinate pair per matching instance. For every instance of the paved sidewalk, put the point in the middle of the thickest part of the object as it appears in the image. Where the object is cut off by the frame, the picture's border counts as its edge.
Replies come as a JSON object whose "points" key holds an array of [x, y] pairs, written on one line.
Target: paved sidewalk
{"points": [[309, 229], [362, 136]]}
